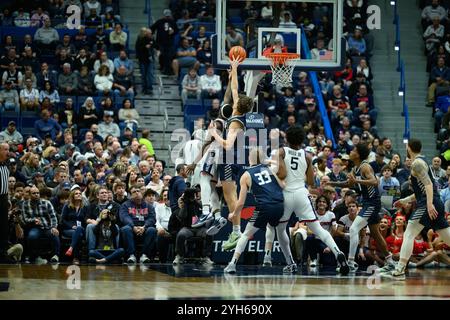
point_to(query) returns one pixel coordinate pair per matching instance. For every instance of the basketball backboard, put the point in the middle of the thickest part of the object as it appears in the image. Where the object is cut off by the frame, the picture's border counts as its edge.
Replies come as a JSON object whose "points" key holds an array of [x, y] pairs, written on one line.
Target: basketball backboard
{"points": [[271, 26]]}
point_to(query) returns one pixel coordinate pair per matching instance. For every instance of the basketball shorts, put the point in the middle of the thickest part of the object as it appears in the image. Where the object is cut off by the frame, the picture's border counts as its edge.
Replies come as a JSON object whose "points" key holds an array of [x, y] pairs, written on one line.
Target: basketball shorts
{"points": [[299, 202]]}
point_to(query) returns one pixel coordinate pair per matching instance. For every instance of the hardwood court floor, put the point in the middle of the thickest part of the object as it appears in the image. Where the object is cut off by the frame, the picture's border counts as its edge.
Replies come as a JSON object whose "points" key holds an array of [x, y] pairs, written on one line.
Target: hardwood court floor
{"points": [[156, 281]]}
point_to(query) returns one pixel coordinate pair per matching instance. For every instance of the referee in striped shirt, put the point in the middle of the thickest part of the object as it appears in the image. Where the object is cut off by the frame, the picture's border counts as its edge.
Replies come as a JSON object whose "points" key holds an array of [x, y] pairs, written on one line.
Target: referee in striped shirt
{"points": [[4, 176]]}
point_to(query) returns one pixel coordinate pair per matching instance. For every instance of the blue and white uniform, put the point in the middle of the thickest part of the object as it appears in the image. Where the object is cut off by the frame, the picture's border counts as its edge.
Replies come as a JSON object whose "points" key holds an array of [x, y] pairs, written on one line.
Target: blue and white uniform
{"points": [[421, 211], [234, 160], [268, 195], [370, 195], [296, 196]]}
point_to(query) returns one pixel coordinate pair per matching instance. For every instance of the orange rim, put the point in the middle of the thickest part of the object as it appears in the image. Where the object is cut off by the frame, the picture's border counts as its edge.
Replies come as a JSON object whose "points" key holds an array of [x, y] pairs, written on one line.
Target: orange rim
{"points": [[278, 58]]}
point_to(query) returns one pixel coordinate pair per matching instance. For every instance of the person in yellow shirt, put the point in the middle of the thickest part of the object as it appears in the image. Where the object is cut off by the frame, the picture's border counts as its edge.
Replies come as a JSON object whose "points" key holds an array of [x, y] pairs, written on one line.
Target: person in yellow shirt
{"points": [[146, 141]]}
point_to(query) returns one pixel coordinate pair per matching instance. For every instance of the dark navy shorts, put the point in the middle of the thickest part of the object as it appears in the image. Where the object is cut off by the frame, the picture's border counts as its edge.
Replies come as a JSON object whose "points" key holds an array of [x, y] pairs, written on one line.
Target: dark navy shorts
{"points": [[421, 214], [268, 213], [371, 212], [230, 172]]}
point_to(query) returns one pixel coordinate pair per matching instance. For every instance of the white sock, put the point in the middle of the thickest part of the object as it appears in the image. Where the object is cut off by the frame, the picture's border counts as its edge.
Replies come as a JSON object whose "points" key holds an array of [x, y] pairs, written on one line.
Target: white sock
{"points": [[357, 225], [412, 230], [388, 259], [270, 237], [284, 243], [237, 229], [206, 209], [250, 230], [205, 194]]}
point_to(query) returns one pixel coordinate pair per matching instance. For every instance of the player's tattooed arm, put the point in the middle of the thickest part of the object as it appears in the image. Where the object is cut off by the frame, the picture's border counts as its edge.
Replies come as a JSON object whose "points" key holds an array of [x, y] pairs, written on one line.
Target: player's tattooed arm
{"points": [[419, 169]]}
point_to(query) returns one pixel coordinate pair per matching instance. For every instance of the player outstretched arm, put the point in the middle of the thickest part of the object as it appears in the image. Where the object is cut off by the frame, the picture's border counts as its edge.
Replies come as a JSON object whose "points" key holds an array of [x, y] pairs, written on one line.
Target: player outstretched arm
{"points": [[246, 183], [234, 81], [190, 168], [367, 172], [235, 126], [419, 169], [227, 98]]}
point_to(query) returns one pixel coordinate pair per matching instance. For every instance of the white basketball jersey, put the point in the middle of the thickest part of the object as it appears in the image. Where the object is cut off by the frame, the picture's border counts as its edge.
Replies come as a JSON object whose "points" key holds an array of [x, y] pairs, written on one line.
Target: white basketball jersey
{"points": [[296, 166]]}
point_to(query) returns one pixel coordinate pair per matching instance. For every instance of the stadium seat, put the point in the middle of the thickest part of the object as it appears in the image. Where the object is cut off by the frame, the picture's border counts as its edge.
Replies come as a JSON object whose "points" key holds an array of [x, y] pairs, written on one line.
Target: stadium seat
{"points": [[28, 119], [8, 116], [193, 106]]}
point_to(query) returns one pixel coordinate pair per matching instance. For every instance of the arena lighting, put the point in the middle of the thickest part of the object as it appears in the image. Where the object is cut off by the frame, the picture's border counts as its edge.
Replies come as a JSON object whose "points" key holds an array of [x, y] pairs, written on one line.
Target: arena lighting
{"points": [[397, 47], [401, 92], [405, 140], [393, 2]]}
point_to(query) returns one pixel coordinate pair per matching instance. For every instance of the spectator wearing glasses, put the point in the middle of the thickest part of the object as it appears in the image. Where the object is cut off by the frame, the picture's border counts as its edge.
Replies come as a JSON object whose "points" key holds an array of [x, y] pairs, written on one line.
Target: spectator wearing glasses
{"points": [[139, 221], [40, 219]]}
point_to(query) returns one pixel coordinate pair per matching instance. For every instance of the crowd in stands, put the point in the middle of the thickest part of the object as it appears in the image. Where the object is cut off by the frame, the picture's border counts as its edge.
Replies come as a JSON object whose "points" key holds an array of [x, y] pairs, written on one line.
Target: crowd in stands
{"points": [[436, 37], [86, 182]]}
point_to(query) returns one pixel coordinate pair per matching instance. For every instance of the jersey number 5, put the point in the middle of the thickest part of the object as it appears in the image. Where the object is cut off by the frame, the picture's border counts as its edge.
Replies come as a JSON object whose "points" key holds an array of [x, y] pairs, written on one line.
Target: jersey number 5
{"points": [[263, 178], [294, 163]]}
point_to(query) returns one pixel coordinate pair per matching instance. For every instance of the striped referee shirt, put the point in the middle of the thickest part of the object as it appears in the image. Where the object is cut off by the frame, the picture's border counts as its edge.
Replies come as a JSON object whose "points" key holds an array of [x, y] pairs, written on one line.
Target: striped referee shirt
{"points": [[43, 210], [4, 177]]}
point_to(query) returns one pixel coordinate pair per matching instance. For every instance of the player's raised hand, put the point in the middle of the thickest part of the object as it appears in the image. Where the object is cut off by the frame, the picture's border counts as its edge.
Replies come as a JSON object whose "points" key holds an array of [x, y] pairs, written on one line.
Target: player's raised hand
{"points": [[234, 63], [190, 169], [212, 130], [351, 179]]}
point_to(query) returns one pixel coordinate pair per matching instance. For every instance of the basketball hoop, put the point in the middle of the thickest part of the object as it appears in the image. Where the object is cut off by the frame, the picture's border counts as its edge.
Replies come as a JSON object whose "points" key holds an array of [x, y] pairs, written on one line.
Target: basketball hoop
{"points": [[282, 67]]}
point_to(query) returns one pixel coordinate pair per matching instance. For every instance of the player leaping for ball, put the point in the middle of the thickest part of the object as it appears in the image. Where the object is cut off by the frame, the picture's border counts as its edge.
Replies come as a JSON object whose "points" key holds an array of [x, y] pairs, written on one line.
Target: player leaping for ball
{"points": [[234, 157], [208, 160]]}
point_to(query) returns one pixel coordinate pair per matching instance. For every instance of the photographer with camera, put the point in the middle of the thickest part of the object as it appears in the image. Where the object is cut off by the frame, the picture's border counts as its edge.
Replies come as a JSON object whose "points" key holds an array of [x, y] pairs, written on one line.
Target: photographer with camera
{"points": [[190, 209], [94, 213], [16, 235], [139, 221], [106, 240]]}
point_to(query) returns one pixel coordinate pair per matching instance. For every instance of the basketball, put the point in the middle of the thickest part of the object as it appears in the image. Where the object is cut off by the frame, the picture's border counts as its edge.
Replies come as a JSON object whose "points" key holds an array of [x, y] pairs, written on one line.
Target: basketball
{"points": [[238, 52]]}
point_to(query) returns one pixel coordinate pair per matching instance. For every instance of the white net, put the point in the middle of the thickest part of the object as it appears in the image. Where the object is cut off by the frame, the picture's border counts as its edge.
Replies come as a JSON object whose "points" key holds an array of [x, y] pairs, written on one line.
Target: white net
{"points": [[282, 68]]}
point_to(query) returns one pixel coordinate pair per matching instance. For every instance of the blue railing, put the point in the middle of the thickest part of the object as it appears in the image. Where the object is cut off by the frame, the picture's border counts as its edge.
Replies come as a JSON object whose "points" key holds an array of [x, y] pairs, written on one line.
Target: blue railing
{"points": [[313, 77], [148, 12], [401, 69]]}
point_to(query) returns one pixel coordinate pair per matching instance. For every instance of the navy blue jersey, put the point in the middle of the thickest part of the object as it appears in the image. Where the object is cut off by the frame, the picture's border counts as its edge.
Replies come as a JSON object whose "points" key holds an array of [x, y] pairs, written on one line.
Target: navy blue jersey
{"points": [[265, 187], [419, 188], [237, 154], [369, 194]]}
